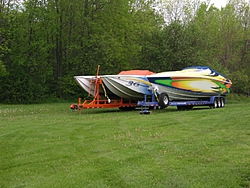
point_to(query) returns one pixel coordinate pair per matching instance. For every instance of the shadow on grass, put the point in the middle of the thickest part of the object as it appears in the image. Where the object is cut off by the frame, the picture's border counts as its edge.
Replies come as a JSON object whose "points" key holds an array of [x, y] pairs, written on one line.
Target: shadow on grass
{"points": [[201, 108], [137, 110], [98, 111]]}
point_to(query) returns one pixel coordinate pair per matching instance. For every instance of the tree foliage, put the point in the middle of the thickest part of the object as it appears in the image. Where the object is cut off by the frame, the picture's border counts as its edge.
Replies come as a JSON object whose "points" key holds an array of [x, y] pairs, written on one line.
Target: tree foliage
{"points": [[43, 44]]}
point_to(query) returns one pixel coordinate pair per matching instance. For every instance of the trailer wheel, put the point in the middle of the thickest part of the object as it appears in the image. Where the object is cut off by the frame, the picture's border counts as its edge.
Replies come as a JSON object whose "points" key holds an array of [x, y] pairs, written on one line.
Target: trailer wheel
{"points": [[222, 102], [163, 100], [155, 108], [219, 102], [215, 103]]}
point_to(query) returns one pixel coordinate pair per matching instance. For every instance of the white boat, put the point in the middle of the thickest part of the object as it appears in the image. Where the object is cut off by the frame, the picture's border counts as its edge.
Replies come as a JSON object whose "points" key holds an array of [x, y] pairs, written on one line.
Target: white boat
{"points": [[131, 84], [127, 86], [88, 83]]}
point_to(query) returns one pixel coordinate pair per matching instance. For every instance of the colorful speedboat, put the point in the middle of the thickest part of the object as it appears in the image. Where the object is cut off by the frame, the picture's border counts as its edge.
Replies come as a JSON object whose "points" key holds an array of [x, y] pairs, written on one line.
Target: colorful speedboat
{"points": [[192, 83]]}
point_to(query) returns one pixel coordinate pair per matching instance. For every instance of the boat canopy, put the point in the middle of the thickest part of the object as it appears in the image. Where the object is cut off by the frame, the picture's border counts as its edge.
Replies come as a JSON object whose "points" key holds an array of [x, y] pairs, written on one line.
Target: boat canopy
{"points": [[136, 72]]}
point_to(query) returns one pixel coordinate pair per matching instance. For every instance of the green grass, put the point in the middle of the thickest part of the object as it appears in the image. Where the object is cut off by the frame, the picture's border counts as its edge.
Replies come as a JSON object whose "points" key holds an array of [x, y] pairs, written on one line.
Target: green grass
{"points": [[47, 145]]}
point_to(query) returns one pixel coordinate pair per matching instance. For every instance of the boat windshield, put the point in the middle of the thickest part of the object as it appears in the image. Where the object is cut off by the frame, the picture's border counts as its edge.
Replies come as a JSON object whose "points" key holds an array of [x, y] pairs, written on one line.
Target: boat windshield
{"points": [[205, 69]]}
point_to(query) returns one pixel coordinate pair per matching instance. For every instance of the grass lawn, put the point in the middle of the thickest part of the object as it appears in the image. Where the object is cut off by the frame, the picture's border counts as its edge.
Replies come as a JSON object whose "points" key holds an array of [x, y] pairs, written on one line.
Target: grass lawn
{"points": [[47, 145]]}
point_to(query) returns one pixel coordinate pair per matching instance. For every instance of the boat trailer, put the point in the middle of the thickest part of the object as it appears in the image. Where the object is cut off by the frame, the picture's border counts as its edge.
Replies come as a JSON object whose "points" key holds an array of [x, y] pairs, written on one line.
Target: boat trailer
{"points": [[156, 102]]}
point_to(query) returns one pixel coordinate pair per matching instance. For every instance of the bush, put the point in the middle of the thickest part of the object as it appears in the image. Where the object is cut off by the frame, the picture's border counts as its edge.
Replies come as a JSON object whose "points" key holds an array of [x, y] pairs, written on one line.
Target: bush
{"points": [[237, 98]]}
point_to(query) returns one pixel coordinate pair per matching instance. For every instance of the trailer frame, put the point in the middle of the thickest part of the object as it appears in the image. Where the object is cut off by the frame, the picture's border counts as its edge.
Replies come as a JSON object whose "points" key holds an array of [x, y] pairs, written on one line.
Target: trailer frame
{"points": [[212, 102]]}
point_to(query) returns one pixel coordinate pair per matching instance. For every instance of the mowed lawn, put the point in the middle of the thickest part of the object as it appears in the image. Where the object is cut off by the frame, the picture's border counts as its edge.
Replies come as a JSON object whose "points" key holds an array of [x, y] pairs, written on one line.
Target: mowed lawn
{"points": [[47, 145]]}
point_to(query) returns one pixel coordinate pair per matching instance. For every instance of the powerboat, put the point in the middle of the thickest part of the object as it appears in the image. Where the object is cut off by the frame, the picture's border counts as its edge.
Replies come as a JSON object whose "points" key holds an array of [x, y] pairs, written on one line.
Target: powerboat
{"points": [[89, 84], [191, 83], [131, 84]]}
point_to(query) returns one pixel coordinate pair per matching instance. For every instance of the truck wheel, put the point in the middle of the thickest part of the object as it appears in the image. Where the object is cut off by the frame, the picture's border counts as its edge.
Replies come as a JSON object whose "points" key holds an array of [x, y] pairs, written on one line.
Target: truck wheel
{"points": [[163, 100]]}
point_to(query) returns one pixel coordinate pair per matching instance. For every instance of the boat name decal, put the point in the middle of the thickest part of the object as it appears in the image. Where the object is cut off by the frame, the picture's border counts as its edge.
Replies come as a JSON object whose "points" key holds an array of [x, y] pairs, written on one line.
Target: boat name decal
{"points": [[132, 83], [140, 81]]}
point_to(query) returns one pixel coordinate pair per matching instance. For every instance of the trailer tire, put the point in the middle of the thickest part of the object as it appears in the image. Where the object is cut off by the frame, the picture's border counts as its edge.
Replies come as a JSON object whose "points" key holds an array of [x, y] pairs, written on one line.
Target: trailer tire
{"points": [[163, 100], [222, 102], [219, 102], [215, 103], [155, 108]]}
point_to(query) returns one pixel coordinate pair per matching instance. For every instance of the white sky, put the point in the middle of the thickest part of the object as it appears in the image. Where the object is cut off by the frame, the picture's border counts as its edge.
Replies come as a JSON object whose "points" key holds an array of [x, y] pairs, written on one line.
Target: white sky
{"points": [[219, 3]]}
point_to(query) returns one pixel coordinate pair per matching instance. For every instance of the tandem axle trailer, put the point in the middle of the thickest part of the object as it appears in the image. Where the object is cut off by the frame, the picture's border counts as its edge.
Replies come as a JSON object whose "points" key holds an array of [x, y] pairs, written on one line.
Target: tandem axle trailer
{"points": [[163, 102]]}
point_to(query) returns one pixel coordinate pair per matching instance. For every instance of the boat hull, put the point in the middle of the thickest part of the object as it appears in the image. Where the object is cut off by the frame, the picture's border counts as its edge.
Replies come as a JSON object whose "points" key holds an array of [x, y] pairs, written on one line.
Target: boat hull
{"points": [[89, 85], [85, 83], [128, 86], [194, 84]]}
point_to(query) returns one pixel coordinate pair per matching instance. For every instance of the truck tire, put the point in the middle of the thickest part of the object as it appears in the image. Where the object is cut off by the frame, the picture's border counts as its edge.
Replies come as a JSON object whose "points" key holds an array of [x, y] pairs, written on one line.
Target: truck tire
{"points": [[163, 100]]}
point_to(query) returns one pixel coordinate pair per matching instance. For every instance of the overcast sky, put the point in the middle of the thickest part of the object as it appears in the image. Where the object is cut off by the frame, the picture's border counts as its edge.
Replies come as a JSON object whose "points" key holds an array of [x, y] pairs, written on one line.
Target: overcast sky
{"points": [[219, 3]]}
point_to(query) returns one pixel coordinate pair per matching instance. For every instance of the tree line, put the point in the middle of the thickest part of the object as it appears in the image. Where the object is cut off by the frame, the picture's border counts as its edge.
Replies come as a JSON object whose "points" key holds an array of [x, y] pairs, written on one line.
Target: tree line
{"points": [[45, 43]]}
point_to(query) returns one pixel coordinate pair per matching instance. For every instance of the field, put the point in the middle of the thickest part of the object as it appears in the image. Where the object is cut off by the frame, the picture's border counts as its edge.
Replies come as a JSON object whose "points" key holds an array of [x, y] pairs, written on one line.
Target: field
{"points": [[47, 145]]}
